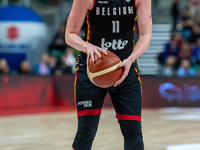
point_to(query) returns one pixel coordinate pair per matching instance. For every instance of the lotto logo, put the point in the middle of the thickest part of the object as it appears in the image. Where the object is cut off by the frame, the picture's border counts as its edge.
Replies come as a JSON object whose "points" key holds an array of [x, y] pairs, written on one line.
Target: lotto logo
{"points": [[115, 44], [12, 33]]}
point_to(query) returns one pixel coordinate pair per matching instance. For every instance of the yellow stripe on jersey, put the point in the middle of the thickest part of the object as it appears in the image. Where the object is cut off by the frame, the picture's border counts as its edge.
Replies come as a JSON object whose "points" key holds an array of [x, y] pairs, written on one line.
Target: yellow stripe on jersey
{"points": [[88, 27], [136, 70], [133, 31], [75, 81], [134, 24]]}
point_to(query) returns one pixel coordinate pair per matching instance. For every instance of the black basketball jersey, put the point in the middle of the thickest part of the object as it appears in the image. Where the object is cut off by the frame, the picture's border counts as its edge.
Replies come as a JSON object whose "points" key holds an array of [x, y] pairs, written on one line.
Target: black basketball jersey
{"points": [[110, 24]]}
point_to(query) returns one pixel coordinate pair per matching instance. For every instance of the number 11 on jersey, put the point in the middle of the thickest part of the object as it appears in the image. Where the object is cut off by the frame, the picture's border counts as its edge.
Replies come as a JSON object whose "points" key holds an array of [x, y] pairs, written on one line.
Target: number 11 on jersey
{"points": [[115, 26]]}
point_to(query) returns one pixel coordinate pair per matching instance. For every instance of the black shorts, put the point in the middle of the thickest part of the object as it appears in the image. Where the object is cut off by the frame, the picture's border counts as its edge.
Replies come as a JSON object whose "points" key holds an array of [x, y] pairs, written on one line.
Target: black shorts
{"points": [[126, 97]]}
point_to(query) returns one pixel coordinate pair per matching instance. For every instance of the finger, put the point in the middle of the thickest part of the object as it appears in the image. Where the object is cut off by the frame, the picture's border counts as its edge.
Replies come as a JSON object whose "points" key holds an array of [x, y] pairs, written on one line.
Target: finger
{"points": [[98, 53], [92, 56], [88, 59], [121, 79], [96, 58], [103, 51], [121, 64]]}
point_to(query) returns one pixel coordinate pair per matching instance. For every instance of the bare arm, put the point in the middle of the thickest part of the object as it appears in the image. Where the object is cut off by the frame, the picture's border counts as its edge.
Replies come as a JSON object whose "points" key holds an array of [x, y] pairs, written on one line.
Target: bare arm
{"points": [[145, 30], [74, 24]]}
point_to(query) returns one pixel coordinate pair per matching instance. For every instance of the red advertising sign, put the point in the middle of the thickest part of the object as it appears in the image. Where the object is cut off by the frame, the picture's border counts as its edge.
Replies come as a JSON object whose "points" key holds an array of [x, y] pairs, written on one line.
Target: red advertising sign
{"points": [[12, 33]]}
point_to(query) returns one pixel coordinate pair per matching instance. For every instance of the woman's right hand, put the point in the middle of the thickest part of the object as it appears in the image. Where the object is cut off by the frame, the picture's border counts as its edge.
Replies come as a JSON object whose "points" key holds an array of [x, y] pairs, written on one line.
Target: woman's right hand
{"points": [[94, 52]]}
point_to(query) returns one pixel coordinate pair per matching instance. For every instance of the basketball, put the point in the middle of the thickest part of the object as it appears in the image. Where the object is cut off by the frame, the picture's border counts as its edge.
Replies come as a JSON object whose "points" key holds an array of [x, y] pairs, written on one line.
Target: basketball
{"points": [[105, 71]]}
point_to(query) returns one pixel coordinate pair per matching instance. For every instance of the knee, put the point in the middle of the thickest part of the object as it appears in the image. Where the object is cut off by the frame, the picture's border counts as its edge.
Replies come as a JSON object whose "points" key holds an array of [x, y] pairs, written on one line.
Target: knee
{"points": [[84, 138], [132, 135], [87, 128], [133, 141], [86, 132], [131, 131]]}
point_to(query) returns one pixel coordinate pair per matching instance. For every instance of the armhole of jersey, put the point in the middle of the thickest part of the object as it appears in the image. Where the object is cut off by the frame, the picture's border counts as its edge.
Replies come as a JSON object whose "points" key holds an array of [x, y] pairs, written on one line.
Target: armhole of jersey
{"points": [[93, 5], [135, 5]]}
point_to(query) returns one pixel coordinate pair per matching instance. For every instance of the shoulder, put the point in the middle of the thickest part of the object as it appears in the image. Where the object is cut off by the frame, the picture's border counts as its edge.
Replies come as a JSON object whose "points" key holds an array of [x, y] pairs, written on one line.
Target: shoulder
{"points": [[140, 2], [136, 2], [83, 3]]}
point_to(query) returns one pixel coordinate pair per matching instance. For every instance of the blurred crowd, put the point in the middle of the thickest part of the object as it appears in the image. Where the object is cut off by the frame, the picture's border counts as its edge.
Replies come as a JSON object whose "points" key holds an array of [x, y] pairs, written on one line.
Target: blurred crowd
{"points": [[181, 56], [58, 60]]}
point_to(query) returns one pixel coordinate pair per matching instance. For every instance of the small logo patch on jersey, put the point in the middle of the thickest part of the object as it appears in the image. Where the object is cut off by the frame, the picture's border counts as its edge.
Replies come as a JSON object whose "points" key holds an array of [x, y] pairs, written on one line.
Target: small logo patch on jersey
{"points": [[102, 2], [127, 1], [85, 103]]}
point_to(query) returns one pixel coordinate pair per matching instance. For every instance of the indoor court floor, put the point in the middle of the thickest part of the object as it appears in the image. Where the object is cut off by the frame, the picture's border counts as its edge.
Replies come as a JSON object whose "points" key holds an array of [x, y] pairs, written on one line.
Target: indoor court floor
{"points": [[55, 131]]}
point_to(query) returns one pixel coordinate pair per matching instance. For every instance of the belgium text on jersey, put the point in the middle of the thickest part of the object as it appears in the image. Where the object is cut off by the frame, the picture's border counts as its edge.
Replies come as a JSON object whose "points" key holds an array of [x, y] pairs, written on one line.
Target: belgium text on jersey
{"points": [[106, 11]]}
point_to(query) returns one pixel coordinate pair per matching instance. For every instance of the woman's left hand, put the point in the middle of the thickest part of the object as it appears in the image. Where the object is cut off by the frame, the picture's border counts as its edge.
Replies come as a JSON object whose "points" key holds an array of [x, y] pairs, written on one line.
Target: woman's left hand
{"points": [[126, 64]]}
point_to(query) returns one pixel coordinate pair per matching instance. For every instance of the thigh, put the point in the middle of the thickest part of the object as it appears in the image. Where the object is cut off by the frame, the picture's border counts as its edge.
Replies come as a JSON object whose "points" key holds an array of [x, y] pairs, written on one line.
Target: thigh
{"points": [[127, 97], [88, 97]]}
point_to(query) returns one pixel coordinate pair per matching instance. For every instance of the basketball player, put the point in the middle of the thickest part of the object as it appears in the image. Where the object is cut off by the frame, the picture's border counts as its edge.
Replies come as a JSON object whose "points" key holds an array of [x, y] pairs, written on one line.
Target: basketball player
{"points": [[109, 27]]}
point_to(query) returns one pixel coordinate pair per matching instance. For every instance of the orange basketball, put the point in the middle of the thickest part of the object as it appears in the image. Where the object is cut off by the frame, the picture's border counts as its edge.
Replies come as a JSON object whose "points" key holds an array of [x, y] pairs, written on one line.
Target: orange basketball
{"points": [[105, 71]]}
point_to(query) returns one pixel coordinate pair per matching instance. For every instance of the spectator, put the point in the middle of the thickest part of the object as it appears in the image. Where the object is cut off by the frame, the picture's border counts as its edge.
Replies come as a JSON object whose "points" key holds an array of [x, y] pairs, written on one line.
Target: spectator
{"points": [[175, 12], [52, 63], [196, 53], [185, 69], [58, 45], [186, 24], [24, 68], [4, 68], [70, 59], [42, 68], [68, 63], [178, 38], [58, 42], [186, 19], [184, 46], [185, 52], [171, 48], [168, 70], [197, 18], [195, 34], [63, 68], [193, 9]]}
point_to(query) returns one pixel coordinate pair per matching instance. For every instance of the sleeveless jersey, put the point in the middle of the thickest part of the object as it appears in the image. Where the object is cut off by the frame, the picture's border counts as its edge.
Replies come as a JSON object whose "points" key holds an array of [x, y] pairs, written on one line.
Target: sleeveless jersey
{"points": [[110, 24]]}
